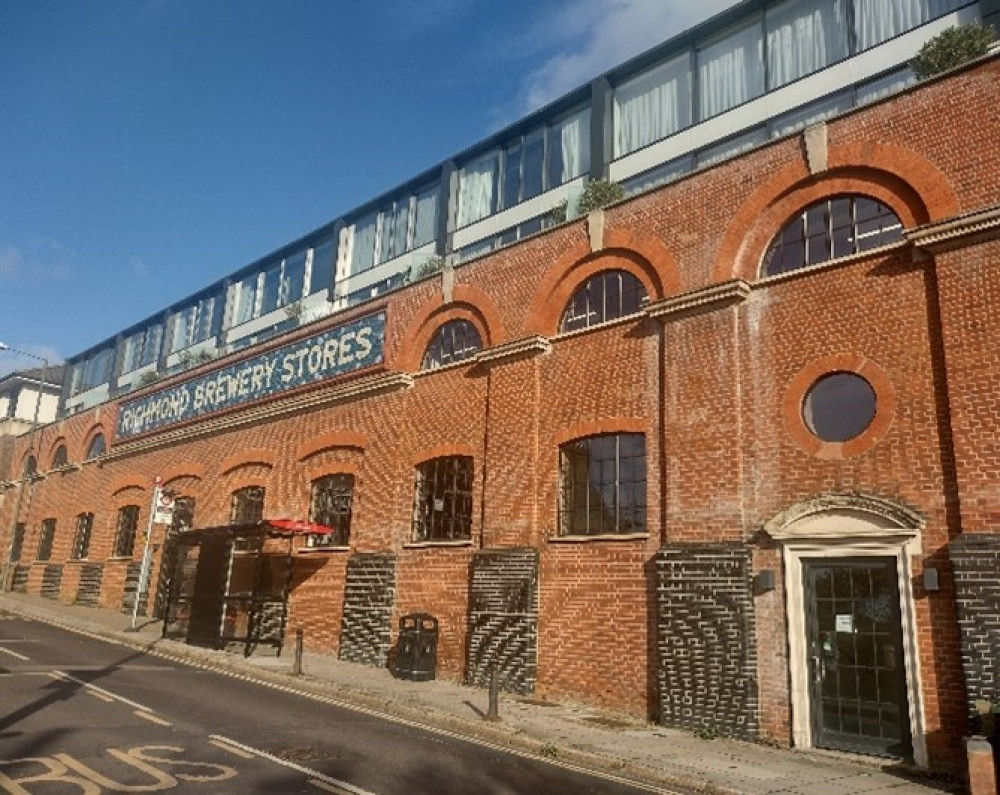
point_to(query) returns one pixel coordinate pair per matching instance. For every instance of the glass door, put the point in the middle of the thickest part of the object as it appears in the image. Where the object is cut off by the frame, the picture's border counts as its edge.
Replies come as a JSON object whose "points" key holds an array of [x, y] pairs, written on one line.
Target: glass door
{"points": [[856, 667]]}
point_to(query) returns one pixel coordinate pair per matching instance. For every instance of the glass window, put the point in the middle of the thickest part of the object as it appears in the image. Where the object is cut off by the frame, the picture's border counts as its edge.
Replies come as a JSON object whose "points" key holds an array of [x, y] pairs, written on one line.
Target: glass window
{"points": [[30, 466], [293, 277], [321, 272], [183, 518], [839, 406], [245, 297], [81, 540], [61, 457], [128, 524], [829, 229], [17, 543], [97, 447], [93, 371], [731, 147], [569, 148], [477, 188], [395, 230], [603, 485], [330, 506], [425, 223], [730, 71], [660, 175], [204, 317], [442, 499], [454, 341], [363, 249], [271, 293], [247, 506], [881, 87], [800, 118], [603, 297], [876, 21], [532, 165], [182, 329], [151, 341], [653, 105], [803, 36], [46, 538]]}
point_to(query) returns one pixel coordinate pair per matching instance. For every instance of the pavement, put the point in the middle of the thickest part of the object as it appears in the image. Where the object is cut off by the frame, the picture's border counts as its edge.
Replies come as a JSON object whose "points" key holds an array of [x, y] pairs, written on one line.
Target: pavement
{"points": [[571, 734]]}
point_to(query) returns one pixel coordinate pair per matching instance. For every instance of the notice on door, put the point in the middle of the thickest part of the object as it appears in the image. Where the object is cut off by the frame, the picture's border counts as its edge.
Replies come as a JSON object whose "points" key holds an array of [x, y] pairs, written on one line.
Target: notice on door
{"points": [[845, 623]]}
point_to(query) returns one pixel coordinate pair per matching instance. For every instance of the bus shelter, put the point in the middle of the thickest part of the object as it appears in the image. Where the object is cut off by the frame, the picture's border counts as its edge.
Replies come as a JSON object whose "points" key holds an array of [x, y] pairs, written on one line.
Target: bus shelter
{"points": [[229, 585]]}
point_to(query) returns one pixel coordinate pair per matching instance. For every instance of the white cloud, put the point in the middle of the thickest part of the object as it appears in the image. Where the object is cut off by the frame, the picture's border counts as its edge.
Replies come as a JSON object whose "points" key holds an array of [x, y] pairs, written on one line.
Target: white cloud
{"points": [[596, 35], [43, 261]]}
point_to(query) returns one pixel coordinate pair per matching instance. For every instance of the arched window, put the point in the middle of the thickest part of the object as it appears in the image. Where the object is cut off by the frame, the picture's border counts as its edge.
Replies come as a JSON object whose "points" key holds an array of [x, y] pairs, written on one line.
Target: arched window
{"points": [[603, 297], [61, 457], [97, 447], [830, 229], [30, 466], [330, 505], [125, 532], [453, 342]]}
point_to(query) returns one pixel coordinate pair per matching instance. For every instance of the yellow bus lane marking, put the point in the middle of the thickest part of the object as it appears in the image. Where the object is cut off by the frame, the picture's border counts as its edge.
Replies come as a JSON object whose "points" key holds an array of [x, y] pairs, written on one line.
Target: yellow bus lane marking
{"points": [[151, 718], [342, 787], [14, 654]]}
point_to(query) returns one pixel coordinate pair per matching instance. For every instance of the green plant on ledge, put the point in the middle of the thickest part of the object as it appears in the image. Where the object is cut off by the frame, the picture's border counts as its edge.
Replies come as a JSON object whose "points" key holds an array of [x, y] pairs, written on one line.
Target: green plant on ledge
{"points": [[431, 266], [599, 193], [951, 48]]}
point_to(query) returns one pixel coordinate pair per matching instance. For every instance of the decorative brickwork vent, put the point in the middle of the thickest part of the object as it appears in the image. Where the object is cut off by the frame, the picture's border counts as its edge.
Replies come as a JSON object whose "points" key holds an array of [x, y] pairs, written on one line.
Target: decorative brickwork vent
{"points": [[503, 618], [369, 595], [707, 653]]}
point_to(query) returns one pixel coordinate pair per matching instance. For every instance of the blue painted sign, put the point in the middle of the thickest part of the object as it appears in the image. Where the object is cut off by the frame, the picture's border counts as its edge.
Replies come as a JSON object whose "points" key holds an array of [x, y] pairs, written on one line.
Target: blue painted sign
{"points": [[337, 351]]}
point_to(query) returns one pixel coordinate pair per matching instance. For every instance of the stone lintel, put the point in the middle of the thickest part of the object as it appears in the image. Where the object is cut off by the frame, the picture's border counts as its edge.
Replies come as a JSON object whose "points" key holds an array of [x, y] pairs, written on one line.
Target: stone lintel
{"points": [[706, 299], [958, 230], [515, 349]]}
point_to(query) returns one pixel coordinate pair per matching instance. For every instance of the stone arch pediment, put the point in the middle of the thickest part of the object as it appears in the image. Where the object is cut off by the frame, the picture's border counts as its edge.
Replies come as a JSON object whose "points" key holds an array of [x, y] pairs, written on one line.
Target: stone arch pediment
{"points": [[844, 516]]}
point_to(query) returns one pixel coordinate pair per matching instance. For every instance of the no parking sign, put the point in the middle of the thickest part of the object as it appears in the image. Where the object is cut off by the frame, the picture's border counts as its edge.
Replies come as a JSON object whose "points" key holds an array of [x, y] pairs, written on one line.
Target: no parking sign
{"points": [[163, 511]]}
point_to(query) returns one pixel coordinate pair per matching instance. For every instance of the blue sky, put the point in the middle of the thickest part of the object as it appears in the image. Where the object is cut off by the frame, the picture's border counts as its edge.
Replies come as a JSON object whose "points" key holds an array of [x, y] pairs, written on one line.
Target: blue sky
{"points": [[149, 147]]}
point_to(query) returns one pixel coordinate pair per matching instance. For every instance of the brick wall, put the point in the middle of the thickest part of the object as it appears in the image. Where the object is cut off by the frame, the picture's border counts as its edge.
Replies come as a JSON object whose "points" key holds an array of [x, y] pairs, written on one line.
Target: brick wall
{"points": [[717, 393]]}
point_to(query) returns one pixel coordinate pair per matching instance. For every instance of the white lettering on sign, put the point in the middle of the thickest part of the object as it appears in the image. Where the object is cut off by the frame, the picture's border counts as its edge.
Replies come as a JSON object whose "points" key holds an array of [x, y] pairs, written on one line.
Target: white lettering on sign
{"points": [[337, 351]]}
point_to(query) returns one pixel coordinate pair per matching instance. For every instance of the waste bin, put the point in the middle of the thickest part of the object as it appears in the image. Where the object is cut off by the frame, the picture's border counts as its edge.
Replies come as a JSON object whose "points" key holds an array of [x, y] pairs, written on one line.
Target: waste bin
{"points": [[416, 658]]}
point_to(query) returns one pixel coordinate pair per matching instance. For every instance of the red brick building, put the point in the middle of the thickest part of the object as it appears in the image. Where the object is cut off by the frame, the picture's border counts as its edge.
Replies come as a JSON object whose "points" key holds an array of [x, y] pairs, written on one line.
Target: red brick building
{"points": [[723, 454]]}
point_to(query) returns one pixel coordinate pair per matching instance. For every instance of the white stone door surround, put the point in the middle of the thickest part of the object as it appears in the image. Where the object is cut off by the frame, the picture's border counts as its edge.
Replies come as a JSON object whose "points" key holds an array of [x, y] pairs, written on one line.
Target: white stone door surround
{"points": [[841, 526]]}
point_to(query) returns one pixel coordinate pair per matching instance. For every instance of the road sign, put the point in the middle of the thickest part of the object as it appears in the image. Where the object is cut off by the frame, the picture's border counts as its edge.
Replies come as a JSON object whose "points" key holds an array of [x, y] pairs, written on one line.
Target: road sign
{"points": [[163, 512]]}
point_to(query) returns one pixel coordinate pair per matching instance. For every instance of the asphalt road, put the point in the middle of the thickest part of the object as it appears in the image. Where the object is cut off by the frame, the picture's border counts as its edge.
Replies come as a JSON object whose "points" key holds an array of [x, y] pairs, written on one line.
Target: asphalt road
{"points": [[81, 715]]}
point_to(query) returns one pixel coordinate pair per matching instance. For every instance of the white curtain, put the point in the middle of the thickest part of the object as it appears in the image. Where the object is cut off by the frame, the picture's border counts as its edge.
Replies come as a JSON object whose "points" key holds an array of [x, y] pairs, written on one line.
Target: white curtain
{"points": [[363, 250], [653, 105], [424, 225], [803, 36], [476, 189], [731, 71], [876, 21]]}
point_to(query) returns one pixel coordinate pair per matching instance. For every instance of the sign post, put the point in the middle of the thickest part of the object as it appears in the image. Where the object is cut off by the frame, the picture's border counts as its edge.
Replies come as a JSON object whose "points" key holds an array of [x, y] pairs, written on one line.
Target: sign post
{"points": [[161, 511]]}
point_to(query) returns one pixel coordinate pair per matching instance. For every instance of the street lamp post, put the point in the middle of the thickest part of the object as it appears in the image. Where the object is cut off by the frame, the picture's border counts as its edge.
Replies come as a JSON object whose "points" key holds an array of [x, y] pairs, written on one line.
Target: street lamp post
{"points": [[31, 448]]}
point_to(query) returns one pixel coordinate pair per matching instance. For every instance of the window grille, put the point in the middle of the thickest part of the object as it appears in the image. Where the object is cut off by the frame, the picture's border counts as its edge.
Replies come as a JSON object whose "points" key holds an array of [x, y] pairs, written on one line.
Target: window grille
{"points": [[128, 523], [603, 485], [454, 341], [603, 297], [331, 506], [81, 541], [442, 502], [830, 229], [46, 538]]}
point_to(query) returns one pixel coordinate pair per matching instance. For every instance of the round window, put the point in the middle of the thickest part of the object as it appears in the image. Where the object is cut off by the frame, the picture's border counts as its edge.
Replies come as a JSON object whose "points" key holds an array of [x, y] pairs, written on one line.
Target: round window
{"points": [[839, 407]]}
